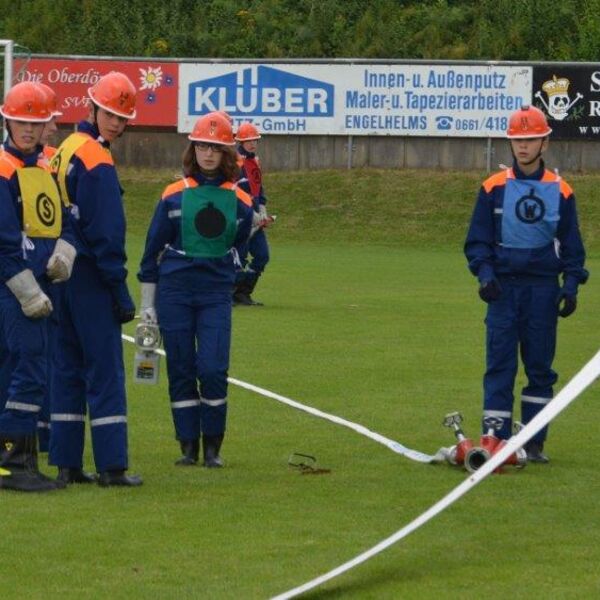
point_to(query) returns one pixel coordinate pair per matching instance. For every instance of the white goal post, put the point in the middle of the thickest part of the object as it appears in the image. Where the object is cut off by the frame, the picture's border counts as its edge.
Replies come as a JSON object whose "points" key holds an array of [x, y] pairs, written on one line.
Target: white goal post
{"points": [[15, 60], [7, 47]]}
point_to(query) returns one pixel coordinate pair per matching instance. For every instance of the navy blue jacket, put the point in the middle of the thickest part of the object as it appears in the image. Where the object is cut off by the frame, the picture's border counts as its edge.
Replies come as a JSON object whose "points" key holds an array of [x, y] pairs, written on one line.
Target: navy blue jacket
{"points": [[488, 258], [18, 253], [163, 253], [97, 215]]}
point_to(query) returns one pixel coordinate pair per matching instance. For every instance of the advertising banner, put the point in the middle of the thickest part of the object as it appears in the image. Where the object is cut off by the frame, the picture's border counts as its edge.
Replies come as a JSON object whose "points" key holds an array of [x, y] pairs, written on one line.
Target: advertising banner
{"points": [[360, 99], [570, 97], [156, 84]]}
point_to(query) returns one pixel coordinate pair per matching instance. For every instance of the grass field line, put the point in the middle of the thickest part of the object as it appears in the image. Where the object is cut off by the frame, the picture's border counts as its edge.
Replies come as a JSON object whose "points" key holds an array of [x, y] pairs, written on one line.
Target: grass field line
{"points": [[361, 429], [585, 377]]}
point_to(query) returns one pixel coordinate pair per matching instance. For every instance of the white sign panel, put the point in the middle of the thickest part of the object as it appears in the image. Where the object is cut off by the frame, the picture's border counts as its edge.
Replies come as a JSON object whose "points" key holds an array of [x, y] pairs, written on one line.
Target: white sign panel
{"points": [[332, 99]]}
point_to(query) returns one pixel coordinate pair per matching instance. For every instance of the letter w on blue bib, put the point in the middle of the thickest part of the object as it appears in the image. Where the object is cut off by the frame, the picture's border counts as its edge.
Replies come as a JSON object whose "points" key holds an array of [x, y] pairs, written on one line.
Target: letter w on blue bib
{"points": [[530, 213]]}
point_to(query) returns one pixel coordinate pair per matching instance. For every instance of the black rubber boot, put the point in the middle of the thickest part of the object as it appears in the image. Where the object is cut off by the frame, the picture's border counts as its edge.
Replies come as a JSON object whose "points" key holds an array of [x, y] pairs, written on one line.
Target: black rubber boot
{"points": [[75, 475], [211, 444], [117, 477], [191, 453], [251, 285], [239, 296], [243, 293], [535, 452], [19, 466]]}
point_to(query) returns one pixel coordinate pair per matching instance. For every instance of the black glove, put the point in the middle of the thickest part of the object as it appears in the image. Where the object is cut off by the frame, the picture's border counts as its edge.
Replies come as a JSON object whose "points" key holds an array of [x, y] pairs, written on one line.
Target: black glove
{"points": [[123, 305], [567, 303], [490, 290]]}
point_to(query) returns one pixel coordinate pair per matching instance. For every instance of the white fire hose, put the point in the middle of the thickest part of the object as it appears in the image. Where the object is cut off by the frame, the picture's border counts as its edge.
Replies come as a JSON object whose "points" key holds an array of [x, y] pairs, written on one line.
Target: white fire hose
{"points": [[580, 382], [586, 376]]}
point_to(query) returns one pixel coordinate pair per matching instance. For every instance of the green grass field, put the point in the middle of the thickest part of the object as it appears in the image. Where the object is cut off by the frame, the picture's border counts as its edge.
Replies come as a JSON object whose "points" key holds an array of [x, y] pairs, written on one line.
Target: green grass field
{"points": [[369, 314]]}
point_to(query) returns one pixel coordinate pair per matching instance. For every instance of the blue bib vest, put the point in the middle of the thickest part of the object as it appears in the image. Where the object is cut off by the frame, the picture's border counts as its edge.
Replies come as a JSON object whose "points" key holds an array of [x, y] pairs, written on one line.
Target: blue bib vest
{"points": [[530, 212]]}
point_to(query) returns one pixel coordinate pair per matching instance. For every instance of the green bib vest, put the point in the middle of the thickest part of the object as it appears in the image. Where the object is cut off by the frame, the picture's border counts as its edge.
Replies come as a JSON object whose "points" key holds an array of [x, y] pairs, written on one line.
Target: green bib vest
{"points": [[208, 221]]}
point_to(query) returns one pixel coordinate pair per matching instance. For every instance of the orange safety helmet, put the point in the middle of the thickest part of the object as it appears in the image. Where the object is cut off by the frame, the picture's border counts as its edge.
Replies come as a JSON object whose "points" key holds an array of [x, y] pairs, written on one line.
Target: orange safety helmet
{"points": [[26, 101], [115, 93], [226, 115], [52, 99], [528, 122], [247, 132], [213, 128]]}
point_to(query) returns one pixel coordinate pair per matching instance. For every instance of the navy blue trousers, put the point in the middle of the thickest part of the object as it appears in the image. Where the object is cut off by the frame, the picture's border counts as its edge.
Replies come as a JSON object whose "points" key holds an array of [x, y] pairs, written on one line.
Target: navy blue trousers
{"points": [[23, 370], [523, 320], [196, 329], [88, 373]]}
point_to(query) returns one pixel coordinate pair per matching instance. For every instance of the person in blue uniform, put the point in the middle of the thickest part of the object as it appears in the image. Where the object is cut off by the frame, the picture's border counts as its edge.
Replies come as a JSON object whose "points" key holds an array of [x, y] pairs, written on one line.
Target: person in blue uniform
{"points": [[89, 371], [257, 247], [35, 250], [187, 275], [525, 248], [48, 153]]}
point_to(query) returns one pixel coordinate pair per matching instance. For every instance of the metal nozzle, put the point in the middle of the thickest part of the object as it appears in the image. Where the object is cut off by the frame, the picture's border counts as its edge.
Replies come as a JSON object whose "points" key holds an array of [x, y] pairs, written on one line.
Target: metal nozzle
{"points": [[493, 424], [475, 458], [454, 419]]}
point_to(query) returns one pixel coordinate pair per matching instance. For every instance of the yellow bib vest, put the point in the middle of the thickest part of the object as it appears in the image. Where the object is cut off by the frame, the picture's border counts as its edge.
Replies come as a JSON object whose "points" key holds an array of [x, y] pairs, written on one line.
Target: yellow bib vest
{"points": [[42, 210], [61, 160]]}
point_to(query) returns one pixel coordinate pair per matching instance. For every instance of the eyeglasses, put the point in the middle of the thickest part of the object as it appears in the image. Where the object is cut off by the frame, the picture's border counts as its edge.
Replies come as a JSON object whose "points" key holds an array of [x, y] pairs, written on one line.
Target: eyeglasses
{"points": [[205, 147]]}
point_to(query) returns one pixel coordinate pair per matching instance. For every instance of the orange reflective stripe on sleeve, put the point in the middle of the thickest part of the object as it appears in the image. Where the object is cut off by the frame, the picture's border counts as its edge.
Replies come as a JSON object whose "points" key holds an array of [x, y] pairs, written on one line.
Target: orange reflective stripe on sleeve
{"points": [[49, 151], [92, 154], [565, 189], [241, 194], [496, 180], [178, 186], [8, 164]]}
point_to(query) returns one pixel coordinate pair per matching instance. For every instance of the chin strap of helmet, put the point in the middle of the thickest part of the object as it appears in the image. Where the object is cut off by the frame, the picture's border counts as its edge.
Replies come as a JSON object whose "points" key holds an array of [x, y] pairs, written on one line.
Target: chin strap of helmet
{"points": [[537, 156], [7, 127], [96, 108]]}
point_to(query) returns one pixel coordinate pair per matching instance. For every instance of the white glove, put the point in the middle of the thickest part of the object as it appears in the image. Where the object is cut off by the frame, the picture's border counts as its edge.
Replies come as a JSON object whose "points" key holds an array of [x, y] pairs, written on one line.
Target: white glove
{"points": [[262, 211], [256, 219], [34, 303], [60, 264], [147, 308]]}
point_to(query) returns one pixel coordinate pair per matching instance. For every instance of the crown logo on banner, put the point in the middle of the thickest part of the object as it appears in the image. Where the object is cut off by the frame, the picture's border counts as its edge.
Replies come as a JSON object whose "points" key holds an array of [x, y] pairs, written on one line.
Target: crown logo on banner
{"points": [[556, 86]]}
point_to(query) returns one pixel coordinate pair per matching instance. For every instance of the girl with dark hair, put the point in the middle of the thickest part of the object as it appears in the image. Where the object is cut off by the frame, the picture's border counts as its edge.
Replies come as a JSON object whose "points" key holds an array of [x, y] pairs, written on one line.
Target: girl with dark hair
{"points": [[187, 275]]}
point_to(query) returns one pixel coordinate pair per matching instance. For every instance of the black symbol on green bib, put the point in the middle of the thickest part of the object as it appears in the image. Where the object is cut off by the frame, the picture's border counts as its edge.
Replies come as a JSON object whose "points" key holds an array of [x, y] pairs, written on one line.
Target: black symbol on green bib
{"points": [[210, 222], [45, 209]]}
